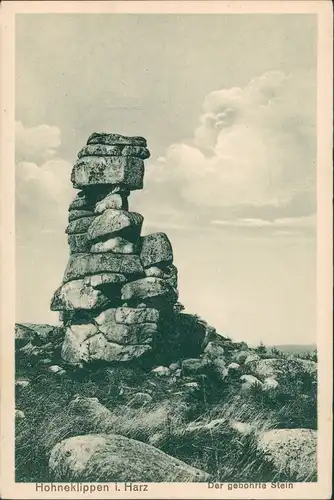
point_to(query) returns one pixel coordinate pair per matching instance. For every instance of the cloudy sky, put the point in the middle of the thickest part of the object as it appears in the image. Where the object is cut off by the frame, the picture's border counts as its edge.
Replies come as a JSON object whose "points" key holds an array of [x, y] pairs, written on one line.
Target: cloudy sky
{"points": [[227, 104]]}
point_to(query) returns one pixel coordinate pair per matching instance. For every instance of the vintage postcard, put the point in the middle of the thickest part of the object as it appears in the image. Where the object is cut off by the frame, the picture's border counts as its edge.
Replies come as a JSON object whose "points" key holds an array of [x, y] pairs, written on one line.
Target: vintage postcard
{"points": [[166, 250]]}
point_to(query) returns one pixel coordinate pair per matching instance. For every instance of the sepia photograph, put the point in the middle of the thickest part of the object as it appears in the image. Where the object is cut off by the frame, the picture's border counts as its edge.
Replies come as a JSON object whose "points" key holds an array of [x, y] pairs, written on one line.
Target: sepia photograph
{"points": [[166, 295]]}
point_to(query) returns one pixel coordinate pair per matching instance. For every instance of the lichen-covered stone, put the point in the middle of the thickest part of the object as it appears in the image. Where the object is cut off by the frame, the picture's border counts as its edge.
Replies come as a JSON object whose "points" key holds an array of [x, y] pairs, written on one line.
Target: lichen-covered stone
{"points": [[86, 264], [132, 315], [79, 226], [100, 281], [111, 457], [82, 201], [156, 249], [79, 243], [112, 200], [142, 333], [115, 245], [125, 171], [293, 452], [149, 287], [77, 295], [113, 221], [117, 150], [73, 349], [155, 272], [114, 139], [99, 348], [78, 214]]}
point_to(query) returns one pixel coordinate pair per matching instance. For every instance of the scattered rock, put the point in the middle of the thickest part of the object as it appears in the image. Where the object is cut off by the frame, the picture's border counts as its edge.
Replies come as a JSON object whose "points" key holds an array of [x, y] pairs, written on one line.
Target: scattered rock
{"points": [[174, 366], [140, 399], [292, 451], [251, 358], [19, 415], [57, 370], [269, 384], [22, 383], [240, 357], [161, 371], [241, 427], [92, 411], [233, 368], [110, 457], [194, 366], [249, 381], [276, 367]]}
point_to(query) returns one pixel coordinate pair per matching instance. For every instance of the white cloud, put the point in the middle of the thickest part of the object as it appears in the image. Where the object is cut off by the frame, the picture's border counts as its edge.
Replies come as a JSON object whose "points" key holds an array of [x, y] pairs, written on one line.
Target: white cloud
{"points": [[254, 146], [287, 222], [43, 188], [36, 143]]}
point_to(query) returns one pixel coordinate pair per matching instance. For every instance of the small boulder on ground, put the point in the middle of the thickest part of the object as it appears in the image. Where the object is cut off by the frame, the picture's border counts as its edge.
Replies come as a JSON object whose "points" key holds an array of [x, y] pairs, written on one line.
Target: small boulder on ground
{"points": [[19, 415], [292, 452], [139, 400], [249, 381], [110, 457], [194, 366], [251, 358], [270, 384], [240, 357]]}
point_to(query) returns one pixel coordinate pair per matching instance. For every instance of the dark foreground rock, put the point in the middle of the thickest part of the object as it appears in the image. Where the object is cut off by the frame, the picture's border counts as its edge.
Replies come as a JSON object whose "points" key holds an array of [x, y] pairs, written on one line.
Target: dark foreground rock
{"points": [[110, 457]]}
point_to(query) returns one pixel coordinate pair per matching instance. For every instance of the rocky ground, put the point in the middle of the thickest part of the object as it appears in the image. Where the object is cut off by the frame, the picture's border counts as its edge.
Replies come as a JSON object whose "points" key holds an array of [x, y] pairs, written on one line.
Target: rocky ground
{"points": [[229, 413]]}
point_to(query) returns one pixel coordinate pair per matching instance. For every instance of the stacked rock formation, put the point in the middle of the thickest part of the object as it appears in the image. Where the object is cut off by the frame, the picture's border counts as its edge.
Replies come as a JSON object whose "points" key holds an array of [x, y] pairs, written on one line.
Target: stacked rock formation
{"points": [[118, 286]]}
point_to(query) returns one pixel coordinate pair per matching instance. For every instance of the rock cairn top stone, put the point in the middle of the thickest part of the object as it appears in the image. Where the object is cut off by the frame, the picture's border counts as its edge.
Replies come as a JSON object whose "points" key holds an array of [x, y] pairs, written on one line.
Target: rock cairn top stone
{"points": [[119, 286]]}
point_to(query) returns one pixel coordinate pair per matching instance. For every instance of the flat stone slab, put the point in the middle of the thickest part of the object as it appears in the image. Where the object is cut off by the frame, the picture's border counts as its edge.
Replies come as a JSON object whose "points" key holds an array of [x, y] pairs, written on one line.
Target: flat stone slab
{"points": [[125, 171], [115, 245], [86, 264], [79, 243], [156, 249], [105, 150], [113, 221], [132, 315], [78, 214], [149, 287], [114, 139], [77, 295], [112, 200], [79, 226], [102, 280], [82, 201]]}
